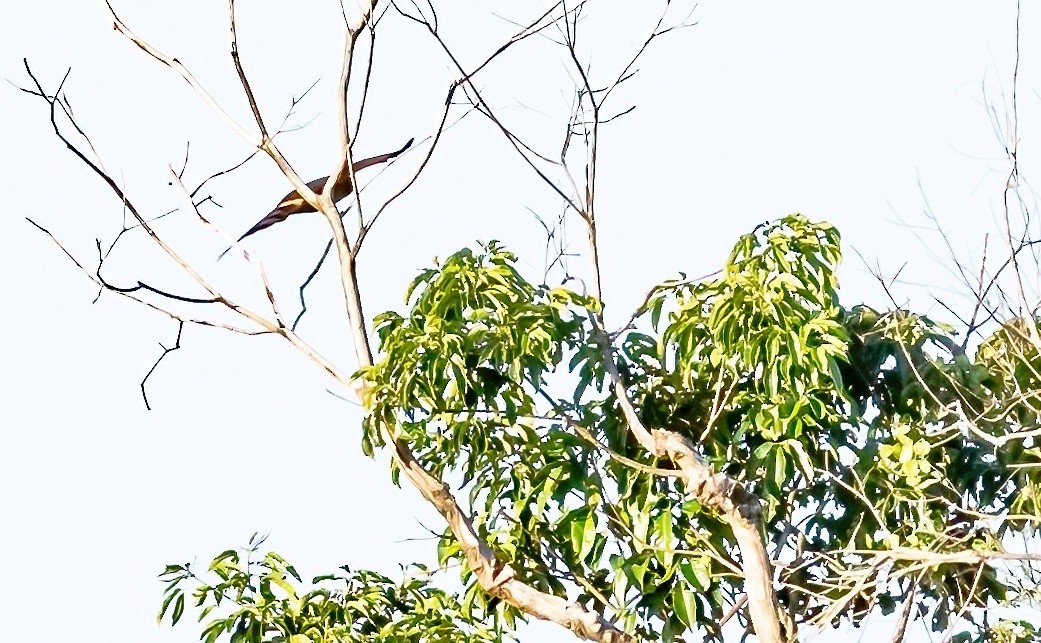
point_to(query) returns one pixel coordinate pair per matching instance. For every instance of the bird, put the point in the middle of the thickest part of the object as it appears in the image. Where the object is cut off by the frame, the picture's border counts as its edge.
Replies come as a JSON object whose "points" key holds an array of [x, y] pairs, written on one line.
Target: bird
{"points": [[293, 203]]}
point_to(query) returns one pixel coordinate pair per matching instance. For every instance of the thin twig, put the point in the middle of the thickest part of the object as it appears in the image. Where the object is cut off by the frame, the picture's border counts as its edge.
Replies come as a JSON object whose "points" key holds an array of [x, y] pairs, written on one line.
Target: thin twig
{"points": [[166, 351]]}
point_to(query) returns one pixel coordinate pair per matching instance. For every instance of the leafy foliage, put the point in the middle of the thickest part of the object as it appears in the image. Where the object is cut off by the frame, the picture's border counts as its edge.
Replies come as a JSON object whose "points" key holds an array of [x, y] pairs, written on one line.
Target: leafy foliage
{"points": [[755, 355], [254, 600], [1003, 632], [874, 440]]}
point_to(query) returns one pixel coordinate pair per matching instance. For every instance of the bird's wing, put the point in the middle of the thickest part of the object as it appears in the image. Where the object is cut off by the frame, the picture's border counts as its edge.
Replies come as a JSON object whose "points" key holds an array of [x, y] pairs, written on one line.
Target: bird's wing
{"points": [[290, 204], [281, 213], [293, 202], [382, 158]]}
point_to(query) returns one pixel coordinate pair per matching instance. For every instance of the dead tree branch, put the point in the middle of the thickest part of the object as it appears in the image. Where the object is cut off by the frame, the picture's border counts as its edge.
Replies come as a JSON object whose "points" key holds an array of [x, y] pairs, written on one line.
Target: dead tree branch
{"points": [[166, 351]]}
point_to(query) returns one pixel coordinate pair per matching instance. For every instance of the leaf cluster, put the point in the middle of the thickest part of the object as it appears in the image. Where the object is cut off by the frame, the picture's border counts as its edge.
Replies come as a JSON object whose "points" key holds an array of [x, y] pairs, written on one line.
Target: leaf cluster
{"points": [[865, 433], [244, 597]]}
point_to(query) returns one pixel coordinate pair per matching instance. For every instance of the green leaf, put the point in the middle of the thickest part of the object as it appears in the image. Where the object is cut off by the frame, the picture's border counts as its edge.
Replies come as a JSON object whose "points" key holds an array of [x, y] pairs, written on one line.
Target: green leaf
{"points": [[695, 572], [206, 612], [663, 530], [170, 597], [588, 534], [685, 604], [762, 450], [178, 609], [227, 554], [172, 569], [286, 587], [655, 306]]}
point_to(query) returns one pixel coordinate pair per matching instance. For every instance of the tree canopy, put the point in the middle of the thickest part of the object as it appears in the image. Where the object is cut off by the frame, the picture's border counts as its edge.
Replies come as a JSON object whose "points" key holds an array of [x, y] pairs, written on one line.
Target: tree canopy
{"points": [[748, 453], [884, 463]]}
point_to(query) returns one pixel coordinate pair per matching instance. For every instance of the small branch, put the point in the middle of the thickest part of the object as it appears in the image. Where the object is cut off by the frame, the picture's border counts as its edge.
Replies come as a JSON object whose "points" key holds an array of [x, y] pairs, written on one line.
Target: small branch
{"points": [[1012, 188], [307, 282], [54, 103], [182, 71], [257, 116], [671, 284], [166, 351], [738, 604], [370, 59], [905, 615], [128, 293], [586, 435], [281, 130], [495, 577], [466, 81], [436, 137], [967, 557], [143, 286]]}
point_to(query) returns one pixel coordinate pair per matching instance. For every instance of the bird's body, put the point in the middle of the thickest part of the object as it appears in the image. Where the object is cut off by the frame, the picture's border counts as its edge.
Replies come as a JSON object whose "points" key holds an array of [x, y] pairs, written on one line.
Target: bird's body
{"points": [[293, 203]]}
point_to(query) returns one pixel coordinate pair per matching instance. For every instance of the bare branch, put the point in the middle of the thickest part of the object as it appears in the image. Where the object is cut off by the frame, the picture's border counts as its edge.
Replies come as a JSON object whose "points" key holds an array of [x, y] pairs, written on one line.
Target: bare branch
{"points": [[128, 293], [905, 614], [166, 351], [466, 80], [434, 138], [182, 71], [303, 287], [1012, 190]]}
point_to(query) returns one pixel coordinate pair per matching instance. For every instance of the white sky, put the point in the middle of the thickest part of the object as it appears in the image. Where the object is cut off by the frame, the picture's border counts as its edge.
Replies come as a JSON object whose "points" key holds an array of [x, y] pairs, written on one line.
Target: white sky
{"points": [[830, 109]]}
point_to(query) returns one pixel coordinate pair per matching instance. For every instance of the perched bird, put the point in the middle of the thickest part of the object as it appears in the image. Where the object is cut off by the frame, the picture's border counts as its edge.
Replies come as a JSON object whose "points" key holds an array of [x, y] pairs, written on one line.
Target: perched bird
{"points": [[293, 203]]}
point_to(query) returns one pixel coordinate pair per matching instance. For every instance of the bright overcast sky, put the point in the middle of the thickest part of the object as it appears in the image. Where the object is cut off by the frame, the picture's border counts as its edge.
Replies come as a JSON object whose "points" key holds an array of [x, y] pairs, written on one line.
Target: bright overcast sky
{"points": [[858, 114]]}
